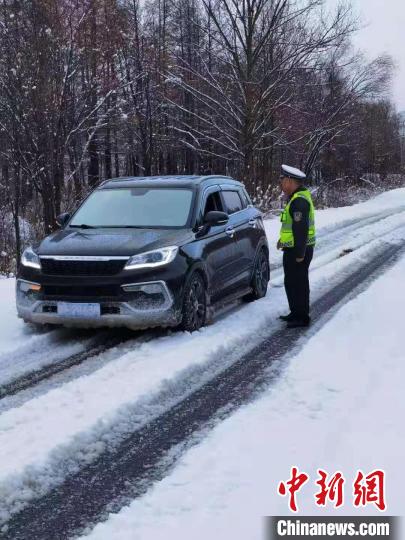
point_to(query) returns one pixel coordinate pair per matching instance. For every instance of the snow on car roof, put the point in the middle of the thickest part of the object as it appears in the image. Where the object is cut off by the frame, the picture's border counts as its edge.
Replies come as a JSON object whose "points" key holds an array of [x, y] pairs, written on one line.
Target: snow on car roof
{"points": [[165, 180]]}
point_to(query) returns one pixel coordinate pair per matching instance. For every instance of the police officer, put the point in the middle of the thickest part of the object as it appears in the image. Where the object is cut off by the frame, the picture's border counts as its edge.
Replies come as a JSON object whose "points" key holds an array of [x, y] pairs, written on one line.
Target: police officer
{"points": [[297, 240]]}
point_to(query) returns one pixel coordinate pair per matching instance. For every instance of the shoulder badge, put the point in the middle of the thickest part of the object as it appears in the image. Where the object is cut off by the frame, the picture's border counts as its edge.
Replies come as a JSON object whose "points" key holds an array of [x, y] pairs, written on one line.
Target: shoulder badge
{"points": [[297, 216]]}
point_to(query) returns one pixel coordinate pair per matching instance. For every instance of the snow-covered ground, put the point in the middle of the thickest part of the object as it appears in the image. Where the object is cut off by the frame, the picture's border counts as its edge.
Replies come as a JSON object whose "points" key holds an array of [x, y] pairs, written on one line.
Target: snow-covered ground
{"points": [[338, 406], [52, 434]]}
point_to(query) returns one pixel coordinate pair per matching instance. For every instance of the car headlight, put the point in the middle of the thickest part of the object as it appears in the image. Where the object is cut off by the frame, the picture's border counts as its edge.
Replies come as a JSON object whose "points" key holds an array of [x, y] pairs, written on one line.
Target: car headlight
{"points": [[151, 259], [31, 259]]}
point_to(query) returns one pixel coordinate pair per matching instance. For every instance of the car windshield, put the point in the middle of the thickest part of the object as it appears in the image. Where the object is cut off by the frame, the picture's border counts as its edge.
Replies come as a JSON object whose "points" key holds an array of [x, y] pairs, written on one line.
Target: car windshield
{"points": [[136, 207]]}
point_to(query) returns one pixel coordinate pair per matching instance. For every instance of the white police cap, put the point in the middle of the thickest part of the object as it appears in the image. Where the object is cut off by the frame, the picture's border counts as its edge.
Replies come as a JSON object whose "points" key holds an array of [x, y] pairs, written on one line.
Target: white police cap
{"points": [[292, 172]]}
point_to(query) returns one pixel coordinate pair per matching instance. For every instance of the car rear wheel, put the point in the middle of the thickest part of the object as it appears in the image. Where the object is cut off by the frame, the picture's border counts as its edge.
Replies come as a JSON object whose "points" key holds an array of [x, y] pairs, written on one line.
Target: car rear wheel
{"points": [[260, 277], [194, 304]]}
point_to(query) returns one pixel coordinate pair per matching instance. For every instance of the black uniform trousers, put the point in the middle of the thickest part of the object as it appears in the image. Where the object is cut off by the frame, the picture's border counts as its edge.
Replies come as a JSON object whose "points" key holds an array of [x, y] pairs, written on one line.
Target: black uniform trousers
{"points": [[296, 282]]}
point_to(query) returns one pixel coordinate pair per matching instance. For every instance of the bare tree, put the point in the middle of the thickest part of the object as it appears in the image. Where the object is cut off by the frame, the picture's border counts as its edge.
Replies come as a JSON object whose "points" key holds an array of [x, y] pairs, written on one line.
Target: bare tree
{"points": [[258, 45]]}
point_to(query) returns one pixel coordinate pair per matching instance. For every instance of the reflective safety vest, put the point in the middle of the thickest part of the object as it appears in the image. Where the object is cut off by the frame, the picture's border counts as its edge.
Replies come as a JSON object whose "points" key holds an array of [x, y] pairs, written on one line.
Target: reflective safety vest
{"points": [[286, 233]]}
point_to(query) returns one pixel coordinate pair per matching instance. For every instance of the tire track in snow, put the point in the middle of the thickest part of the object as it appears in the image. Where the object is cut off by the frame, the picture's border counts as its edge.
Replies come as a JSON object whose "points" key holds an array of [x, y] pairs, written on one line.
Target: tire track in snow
{"points": [[51, 371], [34, 377], [57, 345], [352, 224], [147, 454]]}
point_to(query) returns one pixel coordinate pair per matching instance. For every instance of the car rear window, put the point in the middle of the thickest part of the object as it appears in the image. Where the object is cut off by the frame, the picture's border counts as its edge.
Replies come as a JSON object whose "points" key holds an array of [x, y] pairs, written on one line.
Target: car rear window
{"points": [[232, 201], [135, 207]]}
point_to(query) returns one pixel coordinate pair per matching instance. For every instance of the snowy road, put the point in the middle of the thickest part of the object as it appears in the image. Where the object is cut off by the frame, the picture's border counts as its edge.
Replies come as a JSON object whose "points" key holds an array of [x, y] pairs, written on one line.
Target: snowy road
{"points": [[26, 366], [143, 399]]}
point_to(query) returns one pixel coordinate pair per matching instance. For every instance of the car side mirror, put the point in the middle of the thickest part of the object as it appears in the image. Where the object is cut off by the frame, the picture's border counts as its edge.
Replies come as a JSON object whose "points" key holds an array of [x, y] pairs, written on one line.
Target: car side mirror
{"points": [[62, 219], [215, 218]]}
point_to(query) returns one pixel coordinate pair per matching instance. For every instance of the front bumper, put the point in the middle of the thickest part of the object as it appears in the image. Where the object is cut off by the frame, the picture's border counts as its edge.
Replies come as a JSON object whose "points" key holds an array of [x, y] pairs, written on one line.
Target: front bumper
{"points": [[141, 305]]}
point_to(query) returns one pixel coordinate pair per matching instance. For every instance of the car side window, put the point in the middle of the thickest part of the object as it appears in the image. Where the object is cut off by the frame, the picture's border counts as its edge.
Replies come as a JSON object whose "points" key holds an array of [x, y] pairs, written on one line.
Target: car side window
{"points": [[213, 202], [245, 197], [233, 202]]}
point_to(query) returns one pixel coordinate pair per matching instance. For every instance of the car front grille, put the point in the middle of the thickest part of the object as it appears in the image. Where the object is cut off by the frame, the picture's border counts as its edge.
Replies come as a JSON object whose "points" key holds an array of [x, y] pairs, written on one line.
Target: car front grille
{"points": [[81, 268], [88, 291]]}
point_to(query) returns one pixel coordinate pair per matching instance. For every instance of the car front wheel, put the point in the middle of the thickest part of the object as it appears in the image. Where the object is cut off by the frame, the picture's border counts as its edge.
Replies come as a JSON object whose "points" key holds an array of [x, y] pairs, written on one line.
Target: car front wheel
{"points": [[194, 304], [260, 277]]}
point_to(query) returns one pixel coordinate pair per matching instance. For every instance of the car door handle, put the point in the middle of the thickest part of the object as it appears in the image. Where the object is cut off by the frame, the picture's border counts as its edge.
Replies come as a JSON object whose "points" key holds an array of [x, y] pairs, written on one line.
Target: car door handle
{"points": [[230, 231]]}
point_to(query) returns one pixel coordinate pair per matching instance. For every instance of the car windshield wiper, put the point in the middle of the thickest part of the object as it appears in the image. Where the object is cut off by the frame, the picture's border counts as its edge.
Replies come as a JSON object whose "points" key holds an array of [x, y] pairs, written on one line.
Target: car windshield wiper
{"points": [[83, 226], [124, 227]]}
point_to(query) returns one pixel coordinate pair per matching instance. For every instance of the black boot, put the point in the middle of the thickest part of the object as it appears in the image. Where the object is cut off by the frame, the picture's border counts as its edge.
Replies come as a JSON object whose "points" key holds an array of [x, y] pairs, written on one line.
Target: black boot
{"points": [[299, 323], [287, 318]]}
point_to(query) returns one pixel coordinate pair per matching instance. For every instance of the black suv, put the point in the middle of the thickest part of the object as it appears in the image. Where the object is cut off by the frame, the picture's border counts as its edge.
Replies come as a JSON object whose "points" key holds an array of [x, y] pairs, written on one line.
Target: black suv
{"points": [[147, 251]]}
